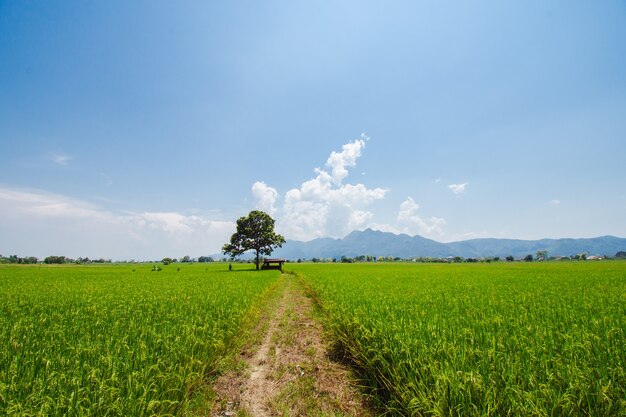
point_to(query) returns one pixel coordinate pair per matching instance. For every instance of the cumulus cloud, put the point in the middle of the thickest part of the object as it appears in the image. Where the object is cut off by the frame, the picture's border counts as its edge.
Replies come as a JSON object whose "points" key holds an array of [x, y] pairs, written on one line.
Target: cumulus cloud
{"points": [[324, 205], [413, 223], [265, 196], [338, 162], [172, 223], [457, 189], [39, 223]]}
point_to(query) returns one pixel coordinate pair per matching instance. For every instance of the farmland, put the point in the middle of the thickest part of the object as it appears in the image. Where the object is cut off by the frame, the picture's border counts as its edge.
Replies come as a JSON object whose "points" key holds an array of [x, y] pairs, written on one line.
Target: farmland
{"points": [[492, 339], [117, 340], [499, 339]]}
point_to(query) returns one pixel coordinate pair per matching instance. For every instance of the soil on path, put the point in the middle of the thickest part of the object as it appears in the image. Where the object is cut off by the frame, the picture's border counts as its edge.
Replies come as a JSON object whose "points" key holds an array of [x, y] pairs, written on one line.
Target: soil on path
{"points": [[291, 373]]}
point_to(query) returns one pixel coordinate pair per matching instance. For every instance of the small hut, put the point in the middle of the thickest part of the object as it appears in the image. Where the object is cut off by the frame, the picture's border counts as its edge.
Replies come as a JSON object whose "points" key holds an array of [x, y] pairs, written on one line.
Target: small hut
{"points": [[273, 264]]}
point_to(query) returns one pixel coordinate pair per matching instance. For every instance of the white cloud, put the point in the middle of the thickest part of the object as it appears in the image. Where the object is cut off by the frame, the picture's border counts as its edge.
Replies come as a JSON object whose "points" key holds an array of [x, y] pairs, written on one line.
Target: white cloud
{"points": [[41, 204], [407, 209], [60, 158], [321, 208], [265, 196], [338, 162], [39, 223], [172, 223], [470, 235], [554, 202], [414, 224], [324, 206], [457, 189]]}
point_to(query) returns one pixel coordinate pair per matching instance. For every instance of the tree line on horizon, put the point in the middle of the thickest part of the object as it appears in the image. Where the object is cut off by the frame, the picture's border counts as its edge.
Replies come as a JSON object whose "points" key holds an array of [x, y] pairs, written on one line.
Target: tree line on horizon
{"points": [[56, 259], [539, 256], [53, 259]]}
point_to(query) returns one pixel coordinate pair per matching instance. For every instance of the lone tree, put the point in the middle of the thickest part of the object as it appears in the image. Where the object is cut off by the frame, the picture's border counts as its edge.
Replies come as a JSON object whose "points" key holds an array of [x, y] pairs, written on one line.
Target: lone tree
{"points": [[254, 232]]}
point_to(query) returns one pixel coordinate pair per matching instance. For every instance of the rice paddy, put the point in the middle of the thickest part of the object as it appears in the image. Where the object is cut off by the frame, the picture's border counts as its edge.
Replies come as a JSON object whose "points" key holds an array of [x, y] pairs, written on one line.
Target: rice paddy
{"points": [[542, 339], [500, 339], [116, 340]]}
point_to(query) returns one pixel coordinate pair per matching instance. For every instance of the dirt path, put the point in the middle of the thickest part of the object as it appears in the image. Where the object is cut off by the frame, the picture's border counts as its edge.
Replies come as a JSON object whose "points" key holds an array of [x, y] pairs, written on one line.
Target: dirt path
{"points": [[291, 373]]}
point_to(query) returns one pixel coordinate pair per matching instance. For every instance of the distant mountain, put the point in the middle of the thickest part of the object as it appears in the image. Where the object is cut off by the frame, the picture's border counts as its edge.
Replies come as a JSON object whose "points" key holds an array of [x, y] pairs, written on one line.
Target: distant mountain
{"points": [[377, 243]]}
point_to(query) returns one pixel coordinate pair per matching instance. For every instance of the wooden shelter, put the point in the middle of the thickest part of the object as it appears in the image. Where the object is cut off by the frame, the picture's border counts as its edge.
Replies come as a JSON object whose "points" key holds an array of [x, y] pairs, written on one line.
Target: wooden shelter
{"points": [[273, 264]]}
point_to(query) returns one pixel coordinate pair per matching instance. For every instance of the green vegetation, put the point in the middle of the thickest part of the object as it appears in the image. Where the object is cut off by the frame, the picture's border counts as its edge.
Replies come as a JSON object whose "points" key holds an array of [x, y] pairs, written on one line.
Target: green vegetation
{"points": [[460, 339], [117, 339], [524, 339], [254, 232]]}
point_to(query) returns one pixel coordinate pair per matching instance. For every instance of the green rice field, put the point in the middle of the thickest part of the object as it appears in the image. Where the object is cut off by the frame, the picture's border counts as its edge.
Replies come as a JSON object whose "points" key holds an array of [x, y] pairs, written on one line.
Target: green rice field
{"points": [[499, 339], [540, 339], [116, 340]]}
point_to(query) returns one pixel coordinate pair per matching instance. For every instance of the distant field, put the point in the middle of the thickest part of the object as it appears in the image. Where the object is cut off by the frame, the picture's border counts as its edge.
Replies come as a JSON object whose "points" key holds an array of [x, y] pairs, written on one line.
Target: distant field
{"points": [[116, 339], [531, 339]]}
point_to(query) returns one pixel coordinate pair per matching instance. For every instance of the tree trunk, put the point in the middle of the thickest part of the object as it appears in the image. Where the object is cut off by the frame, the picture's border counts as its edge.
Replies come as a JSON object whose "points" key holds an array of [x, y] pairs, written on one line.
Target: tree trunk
{"points": [[257, 260]]}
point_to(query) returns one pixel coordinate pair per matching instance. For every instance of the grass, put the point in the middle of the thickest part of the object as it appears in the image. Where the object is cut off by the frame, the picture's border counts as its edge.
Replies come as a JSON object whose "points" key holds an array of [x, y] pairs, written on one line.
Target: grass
{"points": [[531, 339], [541, 339], [117, 340]]}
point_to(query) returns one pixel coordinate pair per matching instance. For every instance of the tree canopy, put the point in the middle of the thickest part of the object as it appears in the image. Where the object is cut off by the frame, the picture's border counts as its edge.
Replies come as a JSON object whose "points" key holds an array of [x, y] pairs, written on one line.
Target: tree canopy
{"points": [[254, 232]]}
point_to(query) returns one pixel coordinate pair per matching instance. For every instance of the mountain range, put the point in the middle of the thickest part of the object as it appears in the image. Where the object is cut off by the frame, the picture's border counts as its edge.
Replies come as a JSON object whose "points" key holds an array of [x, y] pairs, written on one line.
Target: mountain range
{"points": [[377, 243]]}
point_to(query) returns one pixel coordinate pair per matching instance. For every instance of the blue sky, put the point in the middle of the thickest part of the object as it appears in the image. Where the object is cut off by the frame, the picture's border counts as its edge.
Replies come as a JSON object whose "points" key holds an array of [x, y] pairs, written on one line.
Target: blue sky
{"points": [[137, 130]]}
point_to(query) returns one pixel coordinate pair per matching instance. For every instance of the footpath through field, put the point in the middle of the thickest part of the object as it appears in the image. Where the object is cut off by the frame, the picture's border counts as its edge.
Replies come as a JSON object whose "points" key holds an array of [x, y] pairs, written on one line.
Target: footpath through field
{"points": [[290, 373]]}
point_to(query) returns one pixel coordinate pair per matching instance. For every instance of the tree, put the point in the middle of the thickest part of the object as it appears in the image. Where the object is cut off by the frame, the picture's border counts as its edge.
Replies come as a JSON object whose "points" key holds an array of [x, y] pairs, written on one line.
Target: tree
{"points": [[528, 258], [30, 260], [55, 260], [254, 232]]}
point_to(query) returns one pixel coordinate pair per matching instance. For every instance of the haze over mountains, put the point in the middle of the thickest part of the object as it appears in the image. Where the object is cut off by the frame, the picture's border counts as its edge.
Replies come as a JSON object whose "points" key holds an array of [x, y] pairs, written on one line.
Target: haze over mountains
{"points": [[377, 243]]}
